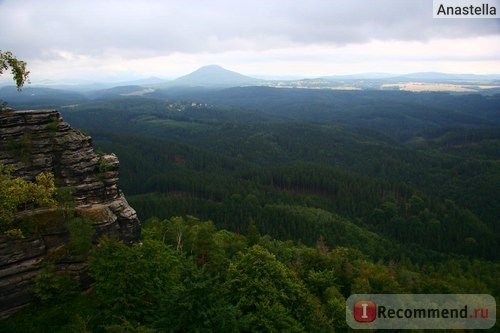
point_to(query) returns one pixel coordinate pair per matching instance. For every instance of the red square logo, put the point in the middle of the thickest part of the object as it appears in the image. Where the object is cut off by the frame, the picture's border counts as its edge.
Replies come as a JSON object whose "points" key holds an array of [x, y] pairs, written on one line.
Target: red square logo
{"points": [[365, 311]]}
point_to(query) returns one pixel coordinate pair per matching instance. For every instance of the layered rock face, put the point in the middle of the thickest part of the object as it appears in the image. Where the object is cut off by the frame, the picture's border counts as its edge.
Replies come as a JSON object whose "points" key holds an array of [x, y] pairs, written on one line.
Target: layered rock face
{"points": [[36, 141]]}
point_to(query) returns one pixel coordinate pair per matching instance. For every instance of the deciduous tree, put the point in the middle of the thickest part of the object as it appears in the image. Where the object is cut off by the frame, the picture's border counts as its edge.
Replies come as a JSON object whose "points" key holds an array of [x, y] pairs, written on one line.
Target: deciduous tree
{"points": [[17, 68]]}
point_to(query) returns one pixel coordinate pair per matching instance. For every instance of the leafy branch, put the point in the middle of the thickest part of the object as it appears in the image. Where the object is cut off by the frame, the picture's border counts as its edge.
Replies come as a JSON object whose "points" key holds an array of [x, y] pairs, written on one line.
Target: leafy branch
{"points": [[17, 67]]}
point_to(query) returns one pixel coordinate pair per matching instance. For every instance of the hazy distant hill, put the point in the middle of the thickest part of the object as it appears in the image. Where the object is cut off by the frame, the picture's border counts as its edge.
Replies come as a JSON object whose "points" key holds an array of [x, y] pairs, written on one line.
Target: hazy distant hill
{"points": [[365, 76], [418, 82], [213, 76], [120, 91], [144, 82], [40, 96], [440, 77]]}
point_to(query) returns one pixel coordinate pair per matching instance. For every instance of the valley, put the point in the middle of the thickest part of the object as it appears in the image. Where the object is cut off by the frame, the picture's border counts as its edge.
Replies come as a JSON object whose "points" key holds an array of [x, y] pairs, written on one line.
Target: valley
{"points": [[366, 190]]}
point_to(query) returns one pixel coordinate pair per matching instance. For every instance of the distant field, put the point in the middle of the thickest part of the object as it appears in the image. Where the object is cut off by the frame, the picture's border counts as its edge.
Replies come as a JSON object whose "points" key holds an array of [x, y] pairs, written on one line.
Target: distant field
{"points": [[419, 86]]}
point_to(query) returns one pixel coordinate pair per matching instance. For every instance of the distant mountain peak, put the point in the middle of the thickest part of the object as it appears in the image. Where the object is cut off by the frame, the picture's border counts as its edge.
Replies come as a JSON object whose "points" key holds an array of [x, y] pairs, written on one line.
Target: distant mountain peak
{"points": [[214, 76], [212, 66]]}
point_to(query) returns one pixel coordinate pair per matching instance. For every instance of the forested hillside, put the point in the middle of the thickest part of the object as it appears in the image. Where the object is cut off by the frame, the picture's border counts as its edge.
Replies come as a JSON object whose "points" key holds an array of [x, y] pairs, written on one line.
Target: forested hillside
{"points": [[330, 193], [443, 162], [213, 151]]}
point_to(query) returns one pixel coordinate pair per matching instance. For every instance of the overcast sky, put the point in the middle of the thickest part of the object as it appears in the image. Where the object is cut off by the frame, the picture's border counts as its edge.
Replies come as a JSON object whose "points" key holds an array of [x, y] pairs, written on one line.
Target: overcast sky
{"points": [[107, 39]]}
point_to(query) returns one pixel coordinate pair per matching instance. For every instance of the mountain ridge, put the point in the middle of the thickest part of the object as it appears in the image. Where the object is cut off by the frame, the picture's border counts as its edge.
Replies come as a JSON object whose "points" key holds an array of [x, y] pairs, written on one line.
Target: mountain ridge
{"points": [[214, 76], [207, 76], [217, 77]]}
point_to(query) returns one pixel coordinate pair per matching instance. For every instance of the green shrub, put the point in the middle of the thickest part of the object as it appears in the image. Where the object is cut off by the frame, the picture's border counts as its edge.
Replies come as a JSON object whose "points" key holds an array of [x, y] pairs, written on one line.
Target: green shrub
{"points": [[50, 286], [81, 233]]}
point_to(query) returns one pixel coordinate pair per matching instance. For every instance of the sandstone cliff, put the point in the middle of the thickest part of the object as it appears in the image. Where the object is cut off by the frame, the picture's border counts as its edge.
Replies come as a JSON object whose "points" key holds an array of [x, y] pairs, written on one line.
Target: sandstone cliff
{"points": [[36, 141]]}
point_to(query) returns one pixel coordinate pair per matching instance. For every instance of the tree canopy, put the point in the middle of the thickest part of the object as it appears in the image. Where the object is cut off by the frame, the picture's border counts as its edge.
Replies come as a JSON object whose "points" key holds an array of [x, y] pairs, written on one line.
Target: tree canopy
{"points": [[18, 68], [17, 194]]}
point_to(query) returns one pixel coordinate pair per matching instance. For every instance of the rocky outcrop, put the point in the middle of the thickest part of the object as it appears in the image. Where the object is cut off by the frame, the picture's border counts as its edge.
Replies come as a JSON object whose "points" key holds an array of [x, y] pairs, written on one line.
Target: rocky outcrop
{"points": [[37, 141]]}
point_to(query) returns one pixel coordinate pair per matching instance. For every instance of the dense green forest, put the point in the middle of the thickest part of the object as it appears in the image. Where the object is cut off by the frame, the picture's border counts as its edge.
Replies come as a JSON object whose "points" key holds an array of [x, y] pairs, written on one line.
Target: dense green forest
{"points": [[245, 193], [189, 276]]}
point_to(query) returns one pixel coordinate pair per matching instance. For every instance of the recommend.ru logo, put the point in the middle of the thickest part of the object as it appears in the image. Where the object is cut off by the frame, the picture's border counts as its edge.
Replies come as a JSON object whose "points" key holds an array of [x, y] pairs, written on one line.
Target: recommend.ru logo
{"points": [[421, 311]]}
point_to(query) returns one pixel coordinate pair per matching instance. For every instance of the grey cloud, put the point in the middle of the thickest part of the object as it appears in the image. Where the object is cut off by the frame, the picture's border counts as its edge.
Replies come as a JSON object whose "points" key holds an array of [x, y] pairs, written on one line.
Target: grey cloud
{"points": [[34, 28]]}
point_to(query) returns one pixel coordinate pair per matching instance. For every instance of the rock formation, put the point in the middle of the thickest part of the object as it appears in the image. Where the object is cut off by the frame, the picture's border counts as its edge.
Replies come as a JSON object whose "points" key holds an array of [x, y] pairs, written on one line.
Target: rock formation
{"points": [[36, 141]]}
